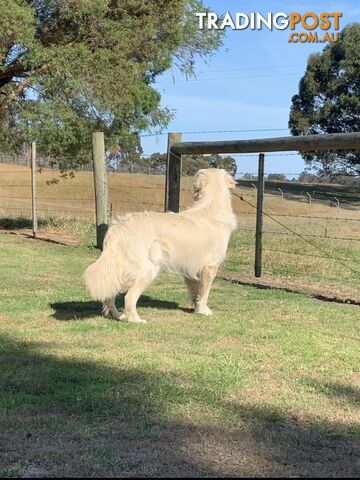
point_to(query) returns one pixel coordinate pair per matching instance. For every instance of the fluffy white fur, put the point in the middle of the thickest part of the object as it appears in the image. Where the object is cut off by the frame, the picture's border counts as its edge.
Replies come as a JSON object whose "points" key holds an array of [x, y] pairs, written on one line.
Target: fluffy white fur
{"points": [[192, 243]]}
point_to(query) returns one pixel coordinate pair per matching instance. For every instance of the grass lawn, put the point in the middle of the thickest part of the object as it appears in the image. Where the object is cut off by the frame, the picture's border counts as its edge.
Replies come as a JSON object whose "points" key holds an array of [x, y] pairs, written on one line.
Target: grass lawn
{"points": [[268, 386]]}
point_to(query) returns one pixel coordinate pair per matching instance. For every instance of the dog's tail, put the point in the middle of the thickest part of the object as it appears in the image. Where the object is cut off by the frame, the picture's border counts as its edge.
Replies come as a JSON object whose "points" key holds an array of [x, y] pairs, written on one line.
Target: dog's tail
{"points": [[102, 278]]}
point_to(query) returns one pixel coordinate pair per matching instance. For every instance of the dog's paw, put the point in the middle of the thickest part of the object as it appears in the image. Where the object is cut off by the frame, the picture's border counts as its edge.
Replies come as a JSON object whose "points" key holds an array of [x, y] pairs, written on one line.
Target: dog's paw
{"points": [[118, 316], [132, 318], [106, 313], [203, 310], [113, 315], [136, 320]]}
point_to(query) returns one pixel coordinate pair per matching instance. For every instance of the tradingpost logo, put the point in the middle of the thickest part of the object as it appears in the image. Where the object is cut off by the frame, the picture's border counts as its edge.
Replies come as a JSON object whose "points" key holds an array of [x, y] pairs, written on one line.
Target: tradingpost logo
{"points": [[306, 27]]}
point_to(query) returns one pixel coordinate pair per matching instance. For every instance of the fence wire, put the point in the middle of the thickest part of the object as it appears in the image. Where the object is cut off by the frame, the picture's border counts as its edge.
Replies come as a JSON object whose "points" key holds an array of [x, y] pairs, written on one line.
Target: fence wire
{"points": [[327, 218]]}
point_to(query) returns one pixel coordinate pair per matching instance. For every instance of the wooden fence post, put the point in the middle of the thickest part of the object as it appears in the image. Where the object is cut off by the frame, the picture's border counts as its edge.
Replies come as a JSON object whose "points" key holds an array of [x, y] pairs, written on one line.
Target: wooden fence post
{"points": [[33, 189], [259, 216], [101, 190], [309, 209], [173, 175]]}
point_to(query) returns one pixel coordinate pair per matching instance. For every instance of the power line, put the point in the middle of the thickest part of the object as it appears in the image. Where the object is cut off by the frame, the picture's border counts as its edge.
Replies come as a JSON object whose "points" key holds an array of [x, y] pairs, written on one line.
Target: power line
{"points": [[236, 78], [237, 131], [251, 68], [257, 68], [200, 132]]}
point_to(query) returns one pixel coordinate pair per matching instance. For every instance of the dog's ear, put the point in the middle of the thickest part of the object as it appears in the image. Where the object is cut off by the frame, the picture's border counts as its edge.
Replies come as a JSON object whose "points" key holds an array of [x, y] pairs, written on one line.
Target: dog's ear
{"points": [[201, 180]]}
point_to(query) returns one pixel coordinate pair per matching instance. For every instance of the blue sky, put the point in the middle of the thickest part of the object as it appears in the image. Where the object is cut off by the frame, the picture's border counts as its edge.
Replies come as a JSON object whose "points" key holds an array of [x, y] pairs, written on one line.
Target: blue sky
{"points": [[248, 84]]}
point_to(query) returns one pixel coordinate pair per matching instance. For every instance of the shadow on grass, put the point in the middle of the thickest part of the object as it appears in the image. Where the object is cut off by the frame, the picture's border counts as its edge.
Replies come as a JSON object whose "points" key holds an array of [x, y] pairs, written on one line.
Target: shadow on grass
{"points": [[75, 310], [336, 391], [11, 225], [84, 310], [148, 302], [81, 418], [19, 223]]}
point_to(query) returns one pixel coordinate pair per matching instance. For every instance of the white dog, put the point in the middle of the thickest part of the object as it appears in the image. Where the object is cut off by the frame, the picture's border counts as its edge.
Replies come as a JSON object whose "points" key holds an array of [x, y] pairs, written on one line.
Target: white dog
{"points": [[192, 243]]}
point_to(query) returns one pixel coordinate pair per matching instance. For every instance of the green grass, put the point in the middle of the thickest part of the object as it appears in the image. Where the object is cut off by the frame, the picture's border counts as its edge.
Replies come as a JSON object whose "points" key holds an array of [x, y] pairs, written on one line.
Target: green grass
{"points": [[269, 385], [334, 266]]}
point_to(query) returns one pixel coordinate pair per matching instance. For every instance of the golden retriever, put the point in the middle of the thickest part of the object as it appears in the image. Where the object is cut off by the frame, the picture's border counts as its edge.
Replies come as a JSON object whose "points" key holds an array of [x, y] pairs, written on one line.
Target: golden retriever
{"points": [[192, 244]]}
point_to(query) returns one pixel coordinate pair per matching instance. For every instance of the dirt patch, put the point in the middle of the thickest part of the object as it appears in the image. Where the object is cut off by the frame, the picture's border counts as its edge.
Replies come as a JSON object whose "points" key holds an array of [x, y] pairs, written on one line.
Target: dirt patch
{"points": [[327, 294], [59, 238]]}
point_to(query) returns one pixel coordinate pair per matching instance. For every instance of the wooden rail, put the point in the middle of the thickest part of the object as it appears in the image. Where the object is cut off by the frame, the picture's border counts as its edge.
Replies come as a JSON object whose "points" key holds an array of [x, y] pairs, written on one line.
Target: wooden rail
{"points": [[303, 143]]}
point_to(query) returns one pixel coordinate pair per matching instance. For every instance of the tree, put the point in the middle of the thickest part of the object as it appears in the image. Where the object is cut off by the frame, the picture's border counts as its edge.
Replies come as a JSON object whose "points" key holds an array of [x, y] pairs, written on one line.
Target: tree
{"points": [[70, 67], [276, 177], [307, 177], [329, 100], [156, 163], [248, 176], [126, 154], [227, 163], [192, 163]]}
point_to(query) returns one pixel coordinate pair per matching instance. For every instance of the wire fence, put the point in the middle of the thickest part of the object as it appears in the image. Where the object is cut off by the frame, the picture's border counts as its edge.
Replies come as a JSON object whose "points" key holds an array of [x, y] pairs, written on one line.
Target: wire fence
{"points": [[327, 215]]}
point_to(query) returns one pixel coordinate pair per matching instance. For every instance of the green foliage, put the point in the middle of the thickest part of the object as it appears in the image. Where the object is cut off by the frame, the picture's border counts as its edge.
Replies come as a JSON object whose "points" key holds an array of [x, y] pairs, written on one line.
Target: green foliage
{"points": [[127, 153], [156, 163], [127, 156], [329, 100], [68, 67], [192, 163], [306, 177], [276, 177], [227, 163]]}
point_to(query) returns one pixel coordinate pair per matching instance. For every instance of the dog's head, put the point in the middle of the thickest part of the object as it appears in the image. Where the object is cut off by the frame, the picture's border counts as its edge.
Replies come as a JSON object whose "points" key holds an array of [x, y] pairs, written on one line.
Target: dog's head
{"points": [[211, 177]]}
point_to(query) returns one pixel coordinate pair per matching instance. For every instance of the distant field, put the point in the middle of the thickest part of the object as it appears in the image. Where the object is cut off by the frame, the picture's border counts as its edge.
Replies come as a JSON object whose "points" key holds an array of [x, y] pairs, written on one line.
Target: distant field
{"points": [[74, 197], [69, 206], [133, 192], [348, 196]]}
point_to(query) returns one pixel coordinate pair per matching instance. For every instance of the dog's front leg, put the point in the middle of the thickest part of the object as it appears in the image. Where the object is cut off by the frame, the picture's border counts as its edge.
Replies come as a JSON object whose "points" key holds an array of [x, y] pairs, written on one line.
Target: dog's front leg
{"points": [[207, 276], [193, 289]]}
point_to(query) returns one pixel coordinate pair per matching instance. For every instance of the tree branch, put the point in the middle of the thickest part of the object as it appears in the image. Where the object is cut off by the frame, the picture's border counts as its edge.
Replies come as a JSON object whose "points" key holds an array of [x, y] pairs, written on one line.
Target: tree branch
{"points": [[10, 73], [20, 87]]}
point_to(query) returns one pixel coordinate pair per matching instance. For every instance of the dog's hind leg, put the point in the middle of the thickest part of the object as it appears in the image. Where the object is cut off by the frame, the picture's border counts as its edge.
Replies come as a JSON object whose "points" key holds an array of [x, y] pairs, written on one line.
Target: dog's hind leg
{"points": [[134, 293], [131, 299], [109, 309], [207, 276], [193, 289]]}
